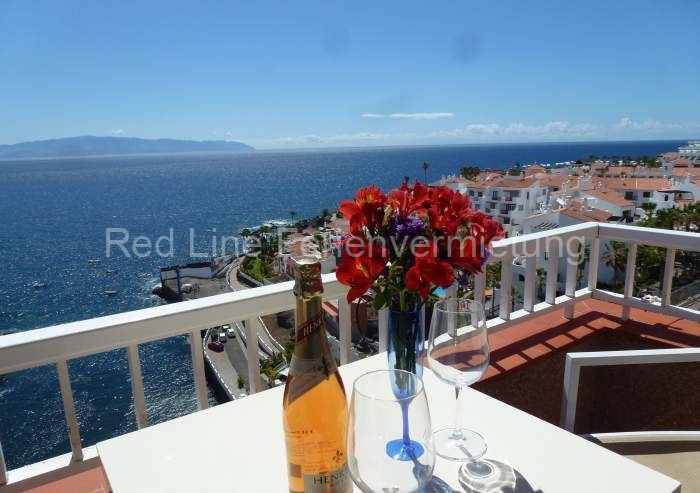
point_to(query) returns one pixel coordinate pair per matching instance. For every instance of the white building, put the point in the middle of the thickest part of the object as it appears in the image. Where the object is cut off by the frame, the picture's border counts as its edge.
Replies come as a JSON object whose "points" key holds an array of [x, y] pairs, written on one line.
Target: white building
{"points": [[508, 199]]}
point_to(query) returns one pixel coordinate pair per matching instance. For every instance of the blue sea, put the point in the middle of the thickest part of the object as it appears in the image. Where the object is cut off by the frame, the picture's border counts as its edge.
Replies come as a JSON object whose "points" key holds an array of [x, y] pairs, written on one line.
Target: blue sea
{"points": [[54, 215]]}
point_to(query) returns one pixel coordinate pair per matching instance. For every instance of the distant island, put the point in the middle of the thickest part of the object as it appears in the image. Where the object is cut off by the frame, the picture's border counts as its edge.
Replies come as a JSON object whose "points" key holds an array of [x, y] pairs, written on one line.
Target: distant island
{"points": [[96, 146]]}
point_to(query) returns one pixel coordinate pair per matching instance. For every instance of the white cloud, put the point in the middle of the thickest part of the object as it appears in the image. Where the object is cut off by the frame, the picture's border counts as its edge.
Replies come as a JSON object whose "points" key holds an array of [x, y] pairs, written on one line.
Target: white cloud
{"points": [[311, 139], [549, 129], [118, 132], [628, 123], [409, 116]]}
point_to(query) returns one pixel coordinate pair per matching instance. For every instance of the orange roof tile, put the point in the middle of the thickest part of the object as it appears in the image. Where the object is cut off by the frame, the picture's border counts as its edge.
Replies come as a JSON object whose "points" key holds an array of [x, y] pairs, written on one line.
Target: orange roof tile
{"points": [[682, 161], [609, 196], [593, 214], [694, 172], [633, 183]]}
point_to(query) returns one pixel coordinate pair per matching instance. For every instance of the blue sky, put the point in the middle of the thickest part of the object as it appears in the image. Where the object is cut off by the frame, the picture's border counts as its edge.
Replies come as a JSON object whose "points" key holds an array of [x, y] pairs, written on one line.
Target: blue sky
{"points": [[313, 74]]}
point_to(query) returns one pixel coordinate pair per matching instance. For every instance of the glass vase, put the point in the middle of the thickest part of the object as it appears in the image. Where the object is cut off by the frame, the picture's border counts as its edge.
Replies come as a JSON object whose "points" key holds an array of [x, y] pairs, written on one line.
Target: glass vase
{"points": [[406, 341]]}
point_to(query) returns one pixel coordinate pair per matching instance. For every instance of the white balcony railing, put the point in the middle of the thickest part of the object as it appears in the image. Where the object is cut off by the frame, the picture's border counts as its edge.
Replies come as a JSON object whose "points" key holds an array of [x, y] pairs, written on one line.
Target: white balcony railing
{"points": [[61, 343]]}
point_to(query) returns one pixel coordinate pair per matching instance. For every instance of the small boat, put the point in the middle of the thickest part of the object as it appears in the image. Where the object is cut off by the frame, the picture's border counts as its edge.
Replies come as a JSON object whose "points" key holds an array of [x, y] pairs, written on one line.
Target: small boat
{"points": [[94, 261], [39, 285], [110, 292]]}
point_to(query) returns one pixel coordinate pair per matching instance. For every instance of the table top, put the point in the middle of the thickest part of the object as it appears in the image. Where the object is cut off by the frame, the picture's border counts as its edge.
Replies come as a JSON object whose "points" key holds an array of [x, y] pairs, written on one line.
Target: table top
{"points": [[238, 447]]}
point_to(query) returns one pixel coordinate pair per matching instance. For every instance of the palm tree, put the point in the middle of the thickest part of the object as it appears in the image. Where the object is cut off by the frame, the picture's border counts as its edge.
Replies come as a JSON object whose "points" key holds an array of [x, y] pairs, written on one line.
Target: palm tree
{"points": [[615, 257], [425, 170]]}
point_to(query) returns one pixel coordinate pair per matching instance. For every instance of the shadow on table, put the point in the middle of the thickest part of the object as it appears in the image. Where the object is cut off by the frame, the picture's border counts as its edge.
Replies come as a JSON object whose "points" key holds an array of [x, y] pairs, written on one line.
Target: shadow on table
{"points": [[437, 485]]}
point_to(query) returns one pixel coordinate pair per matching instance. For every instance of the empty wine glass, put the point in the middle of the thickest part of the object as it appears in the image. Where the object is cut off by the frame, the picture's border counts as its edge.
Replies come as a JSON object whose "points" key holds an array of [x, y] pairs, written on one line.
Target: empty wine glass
{"points": [[390, 439], [458, 352]]}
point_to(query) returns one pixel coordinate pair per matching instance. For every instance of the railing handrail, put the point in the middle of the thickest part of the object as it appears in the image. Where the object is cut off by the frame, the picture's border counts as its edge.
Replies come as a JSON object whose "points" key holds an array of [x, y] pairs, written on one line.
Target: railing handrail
{"points": [[22, 350]]}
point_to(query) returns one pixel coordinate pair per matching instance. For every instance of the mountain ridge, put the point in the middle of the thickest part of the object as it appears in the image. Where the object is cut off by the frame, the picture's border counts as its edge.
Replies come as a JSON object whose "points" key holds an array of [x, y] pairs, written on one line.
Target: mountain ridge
{"points": [[90, 145]]}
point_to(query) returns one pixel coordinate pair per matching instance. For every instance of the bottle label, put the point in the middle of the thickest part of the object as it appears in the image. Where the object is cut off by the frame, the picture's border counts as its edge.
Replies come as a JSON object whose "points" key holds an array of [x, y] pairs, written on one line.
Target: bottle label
{"points": [[308, 328], [337, 481]]}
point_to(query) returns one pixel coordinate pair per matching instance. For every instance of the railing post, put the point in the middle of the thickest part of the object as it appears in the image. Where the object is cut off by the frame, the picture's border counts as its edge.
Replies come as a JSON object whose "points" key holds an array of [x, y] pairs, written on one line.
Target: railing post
{"points": [[251, 349], [667, 284], [69, 411], [552, 273], [572, 263], [529, 293], [383, 321], [345, 329], [629, 278], [572, 373], [506, 285], [593, 260], [200, 382], [137, 385]]}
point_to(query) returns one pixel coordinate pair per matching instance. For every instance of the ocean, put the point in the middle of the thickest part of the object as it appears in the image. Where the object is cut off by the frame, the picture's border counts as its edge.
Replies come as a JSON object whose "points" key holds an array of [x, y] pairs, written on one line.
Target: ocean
{"points": [[54, 217]]}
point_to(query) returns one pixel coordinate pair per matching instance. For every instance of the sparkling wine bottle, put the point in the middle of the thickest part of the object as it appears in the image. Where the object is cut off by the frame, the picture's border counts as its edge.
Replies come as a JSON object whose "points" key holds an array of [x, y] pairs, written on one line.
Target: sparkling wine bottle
{"points": [[315, 406]]}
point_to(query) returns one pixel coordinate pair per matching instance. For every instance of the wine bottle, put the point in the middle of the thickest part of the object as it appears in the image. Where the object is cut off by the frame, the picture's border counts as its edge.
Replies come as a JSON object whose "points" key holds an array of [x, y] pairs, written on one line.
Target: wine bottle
{"points": [[315, 406]]}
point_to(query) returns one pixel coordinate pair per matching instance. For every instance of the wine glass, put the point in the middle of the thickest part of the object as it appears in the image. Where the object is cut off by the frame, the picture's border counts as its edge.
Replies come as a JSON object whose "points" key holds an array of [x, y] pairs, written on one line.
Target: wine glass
{"points": [[390, 438], [458, 352]]}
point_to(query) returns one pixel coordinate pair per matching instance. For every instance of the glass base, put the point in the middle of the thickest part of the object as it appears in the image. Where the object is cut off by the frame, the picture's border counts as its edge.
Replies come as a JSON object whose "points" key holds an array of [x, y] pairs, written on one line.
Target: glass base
{"points": [[400, 450], [487, 476], [467, 446]]}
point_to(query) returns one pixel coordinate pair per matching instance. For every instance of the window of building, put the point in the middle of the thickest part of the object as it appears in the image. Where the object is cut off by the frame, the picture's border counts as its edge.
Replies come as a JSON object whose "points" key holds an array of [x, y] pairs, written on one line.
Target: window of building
{"points": [[481, 194], [510, 207], [629, 195], [665, 198], [527, 196], [520, 207], [494, 195], [471, 193], [646, 195], [506, 220]]}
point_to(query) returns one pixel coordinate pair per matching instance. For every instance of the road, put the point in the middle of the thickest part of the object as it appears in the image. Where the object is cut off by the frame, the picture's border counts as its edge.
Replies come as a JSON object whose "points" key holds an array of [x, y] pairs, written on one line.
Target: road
{"points": [[267, 342]]}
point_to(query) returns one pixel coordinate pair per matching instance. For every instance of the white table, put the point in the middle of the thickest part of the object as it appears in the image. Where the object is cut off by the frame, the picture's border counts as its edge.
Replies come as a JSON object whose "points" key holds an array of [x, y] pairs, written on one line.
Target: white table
{"points": [[238, 447]]}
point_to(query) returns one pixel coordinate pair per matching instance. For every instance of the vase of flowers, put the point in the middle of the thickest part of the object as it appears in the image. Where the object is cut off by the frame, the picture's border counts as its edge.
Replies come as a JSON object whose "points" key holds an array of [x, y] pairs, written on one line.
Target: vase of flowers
{"points": [[402, 246]]}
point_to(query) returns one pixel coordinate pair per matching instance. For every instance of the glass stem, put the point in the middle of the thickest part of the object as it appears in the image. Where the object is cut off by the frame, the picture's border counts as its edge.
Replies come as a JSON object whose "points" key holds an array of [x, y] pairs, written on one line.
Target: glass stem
{"points": [[457, 431]]}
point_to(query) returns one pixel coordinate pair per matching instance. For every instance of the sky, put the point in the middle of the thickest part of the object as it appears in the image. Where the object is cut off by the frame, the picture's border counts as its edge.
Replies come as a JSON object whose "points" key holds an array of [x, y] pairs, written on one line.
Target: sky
{"points": [[326, 73]]}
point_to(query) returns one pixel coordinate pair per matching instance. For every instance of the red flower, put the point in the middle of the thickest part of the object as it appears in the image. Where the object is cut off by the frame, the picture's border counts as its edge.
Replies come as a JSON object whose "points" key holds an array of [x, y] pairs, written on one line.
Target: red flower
{"points": [[469, 253], [426, 271], [359, 270], [448, 210], [366, 210], [405, 200]]}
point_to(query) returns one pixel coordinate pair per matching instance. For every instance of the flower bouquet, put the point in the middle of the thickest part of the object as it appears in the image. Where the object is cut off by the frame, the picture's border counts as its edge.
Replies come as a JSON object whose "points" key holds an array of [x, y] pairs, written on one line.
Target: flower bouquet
{"points": [[404, 245]]}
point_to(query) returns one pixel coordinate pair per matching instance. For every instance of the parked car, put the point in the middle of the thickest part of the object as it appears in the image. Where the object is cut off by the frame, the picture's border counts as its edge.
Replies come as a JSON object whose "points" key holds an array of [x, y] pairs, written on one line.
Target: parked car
{"points": [[215, 346], [222, 336], [229, 331], [214, 335]]}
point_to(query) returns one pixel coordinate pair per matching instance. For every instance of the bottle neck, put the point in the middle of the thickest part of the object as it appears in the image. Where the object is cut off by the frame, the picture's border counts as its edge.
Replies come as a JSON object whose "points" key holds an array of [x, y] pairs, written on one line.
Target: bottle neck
{"points": [[310, 330]]}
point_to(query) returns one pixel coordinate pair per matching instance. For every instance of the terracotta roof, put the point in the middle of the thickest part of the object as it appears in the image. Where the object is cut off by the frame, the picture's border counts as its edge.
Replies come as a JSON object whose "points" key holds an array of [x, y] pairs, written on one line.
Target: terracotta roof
{"points": [[682, 161], [557, 180], [633, 183], [618, 170], [533, 169], [695, 172], [515, 182], [598, 164], [669, 156], [609, 196], [577, 211]]}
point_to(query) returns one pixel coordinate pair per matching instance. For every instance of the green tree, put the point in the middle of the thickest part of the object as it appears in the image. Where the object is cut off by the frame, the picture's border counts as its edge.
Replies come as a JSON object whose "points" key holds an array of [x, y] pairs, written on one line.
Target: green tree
{"points": [[426, 165], [469, 172], [292, 215], [245, 232], [241, 382]]}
